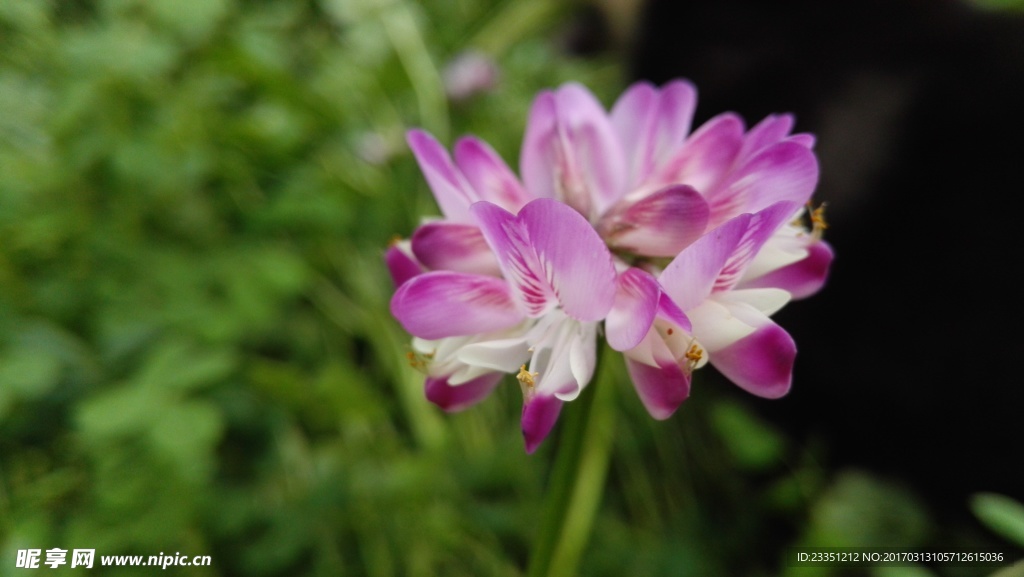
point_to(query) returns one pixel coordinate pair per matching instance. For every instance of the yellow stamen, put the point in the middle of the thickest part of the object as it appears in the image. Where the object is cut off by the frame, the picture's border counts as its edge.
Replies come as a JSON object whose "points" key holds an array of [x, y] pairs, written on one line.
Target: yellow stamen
{"points": [[818, 224], [693, 356], [525, 377]]}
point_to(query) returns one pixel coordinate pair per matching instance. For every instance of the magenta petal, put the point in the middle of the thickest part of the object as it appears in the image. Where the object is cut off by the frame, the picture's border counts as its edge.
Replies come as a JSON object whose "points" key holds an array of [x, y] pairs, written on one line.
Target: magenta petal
{"points": [[803, 139], [570, 151], [761, 363], [539, 416], [458, 397], [706, 157], [551, 254], [661, 389], [636, 303], [660, 224], [802, 278], [450, 188], [401, 265], [785, 171], [442, 304], [691, 276], [456, 247], [488, 174], [761, 226], [772, 129], [651, 123]]}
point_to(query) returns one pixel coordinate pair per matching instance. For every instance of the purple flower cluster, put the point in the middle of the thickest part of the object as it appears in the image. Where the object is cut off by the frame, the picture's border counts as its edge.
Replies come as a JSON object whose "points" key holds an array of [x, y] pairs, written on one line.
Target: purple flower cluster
{"points": [[675, 245]]}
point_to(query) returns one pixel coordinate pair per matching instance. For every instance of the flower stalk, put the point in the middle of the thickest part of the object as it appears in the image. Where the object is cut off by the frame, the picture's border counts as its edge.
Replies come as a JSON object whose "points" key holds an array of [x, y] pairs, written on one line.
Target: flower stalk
{"points": [[577, 480]]}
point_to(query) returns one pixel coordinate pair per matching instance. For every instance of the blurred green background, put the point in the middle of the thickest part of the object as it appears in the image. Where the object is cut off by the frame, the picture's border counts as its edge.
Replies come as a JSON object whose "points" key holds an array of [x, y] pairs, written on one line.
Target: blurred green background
{"points": [[196, 353]]}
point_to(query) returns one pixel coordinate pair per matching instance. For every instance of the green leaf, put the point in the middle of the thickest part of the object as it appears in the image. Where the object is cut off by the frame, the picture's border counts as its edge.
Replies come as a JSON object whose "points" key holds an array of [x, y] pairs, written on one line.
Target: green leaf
{"points": [[1003, 515]]}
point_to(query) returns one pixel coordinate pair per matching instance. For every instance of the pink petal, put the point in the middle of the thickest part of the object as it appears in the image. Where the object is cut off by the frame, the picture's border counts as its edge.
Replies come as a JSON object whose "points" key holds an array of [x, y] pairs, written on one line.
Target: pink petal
{"points": [[636, 303], [552, 256], [803, 139], [488, 174], [444, 245], [661, 389], [452, 192], [706, 157], [442, 304], [570, 151], [401, 264], [690, 277], [772, 129], [659, 224], [651, 123], [761, 363], [785, 171], [760, 227], [454, 398], [539, 416], [802, 278]]}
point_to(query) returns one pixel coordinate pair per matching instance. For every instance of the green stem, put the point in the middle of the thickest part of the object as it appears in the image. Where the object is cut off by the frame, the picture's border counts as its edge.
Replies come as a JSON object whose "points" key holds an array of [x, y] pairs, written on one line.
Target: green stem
{"points": [[577, 480]]}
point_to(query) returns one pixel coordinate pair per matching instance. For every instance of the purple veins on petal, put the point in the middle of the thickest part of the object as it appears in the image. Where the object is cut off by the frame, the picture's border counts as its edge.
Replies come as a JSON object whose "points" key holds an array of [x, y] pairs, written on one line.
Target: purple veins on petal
{"points": [[552, 256]]}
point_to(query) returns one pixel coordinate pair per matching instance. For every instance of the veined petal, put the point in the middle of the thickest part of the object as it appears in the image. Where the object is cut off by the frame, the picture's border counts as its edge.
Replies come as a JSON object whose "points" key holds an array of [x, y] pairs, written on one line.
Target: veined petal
{"points": [[552, 256], [659, 224], [762, 362], [454, 398], [452, 192], [488, 174], [401, 264], [760, 228], [636, 303], [443, 245], [802, 278], [706, 157], [661, 388], [690, 277], [651, 123], [570, 151], [442, 304], [539, 416]]}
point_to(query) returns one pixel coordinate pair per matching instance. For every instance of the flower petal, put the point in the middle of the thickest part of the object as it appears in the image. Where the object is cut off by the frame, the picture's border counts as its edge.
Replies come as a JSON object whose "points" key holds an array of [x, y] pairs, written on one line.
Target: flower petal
{"points": [[570, 151], [636, 303], [442, 304], [772, 129], [452, 192], [552, 256], [802, 278], [454, 398], [488, 174], [401, 264], [651, 123], [760, 229], [505, 355], [762, 362], [539, 416], [661, 389], [690, 277], [444, 245], [660, 224], [785, 171], [706, 157]]}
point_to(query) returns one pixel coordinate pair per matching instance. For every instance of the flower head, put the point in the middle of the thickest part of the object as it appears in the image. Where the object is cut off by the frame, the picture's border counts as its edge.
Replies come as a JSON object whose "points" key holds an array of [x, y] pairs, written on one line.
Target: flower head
{"points": [[678, 246]]}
